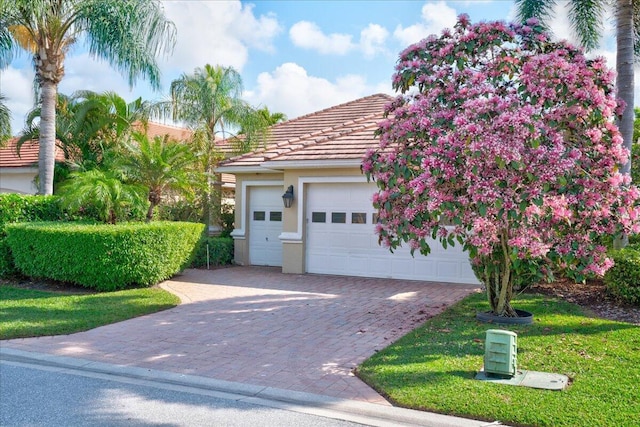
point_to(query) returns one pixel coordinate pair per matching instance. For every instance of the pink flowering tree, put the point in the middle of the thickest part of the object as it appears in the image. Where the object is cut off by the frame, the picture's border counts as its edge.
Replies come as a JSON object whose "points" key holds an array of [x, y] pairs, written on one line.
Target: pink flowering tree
{"points": [[504, 142]]}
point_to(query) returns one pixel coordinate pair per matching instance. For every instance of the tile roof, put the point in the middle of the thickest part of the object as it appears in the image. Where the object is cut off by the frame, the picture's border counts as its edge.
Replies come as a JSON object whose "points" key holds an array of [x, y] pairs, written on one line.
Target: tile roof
{"points": [[342, 132], [182, 134], [28, 157], [160, 129]]}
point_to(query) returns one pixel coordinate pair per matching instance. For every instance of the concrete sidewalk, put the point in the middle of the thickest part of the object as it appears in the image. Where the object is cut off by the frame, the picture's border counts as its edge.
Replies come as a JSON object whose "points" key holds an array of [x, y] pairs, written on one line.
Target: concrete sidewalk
{"points": [[257, 326]]}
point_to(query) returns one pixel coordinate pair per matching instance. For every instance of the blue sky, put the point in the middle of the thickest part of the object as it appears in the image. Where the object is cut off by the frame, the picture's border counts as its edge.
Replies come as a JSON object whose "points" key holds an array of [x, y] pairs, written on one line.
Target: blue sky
{"points": [[295, 57]]}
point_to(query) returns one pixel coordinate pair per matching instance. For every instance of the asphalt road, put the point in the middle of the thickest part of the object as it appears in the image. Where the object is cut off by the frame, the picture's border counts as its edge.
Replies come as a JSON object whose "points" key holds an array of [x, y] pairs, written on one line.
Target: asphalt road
{"points": [[32, 395]]}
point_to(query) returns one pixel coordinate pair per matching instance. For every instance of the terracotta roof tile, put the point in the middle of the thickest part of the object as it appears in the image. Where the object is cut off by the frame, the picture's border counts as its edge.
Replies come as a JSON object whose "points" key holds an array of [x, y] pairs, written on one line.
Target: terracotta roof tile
{"points": [[344, 131], [160, 129], [28, 157]]}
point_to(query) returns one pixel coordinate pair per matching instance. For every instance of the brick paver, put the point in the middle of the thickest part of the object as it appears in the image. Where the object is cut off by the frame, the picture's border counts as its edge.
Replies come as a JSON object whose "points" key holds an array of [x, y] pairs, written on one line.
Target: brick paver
{"points": [[259, 326]]}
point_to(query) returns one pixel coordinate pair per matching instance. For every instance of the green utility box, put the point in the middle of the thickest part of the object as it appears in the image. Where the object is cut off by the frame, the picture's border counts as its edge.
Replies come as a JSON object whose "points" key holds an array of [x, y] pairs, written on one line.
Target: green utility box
{"points": [[500, 356]]}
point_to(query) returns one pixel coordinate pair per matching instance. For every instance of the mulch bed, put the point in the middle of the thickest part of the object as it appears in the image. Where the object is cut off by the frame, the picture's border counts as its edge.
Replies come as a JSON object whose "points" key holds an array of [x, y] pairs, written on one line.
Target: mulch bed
{"points": [[591, 295]]}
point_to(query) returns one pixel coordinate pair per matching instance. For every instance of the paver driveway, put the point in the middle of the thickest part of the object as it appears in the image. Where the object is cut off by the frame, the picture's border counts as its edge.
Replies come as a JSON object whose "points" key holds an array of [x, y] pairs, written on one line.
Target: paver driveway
{"points": [[259, 326]]}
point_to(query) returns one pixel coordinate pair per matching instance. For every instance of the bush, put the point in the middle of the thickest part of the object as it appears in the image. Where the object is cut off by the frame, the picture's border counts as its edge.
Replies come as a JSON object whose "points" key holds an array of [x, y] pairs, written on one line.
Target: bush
{"points": [[220, 251], [27, 208], [103, 257], [24, 208], [623, 279]]}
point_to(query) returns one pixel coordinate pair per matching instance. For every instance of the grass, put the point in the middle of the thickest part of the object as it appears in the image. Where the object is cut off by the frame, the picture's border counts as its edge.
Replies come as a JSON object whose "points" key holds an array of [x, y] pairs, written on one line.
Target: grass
{"points": [[433, 367], [34, 313]]}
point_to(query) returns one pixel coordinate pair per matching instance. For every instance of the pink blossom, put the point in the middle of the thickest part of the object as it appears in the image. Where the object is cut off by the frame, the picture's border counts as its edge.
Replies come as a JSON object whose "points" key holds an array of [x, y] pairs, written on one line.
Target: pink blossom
{"points": [[530, 121]]}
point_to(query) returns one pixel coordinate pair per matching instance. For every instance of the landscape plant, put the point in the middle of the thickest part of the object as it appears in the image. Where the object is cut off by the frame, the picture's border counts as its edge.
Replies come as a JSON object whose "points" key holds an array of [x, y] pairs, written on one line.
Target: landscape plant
{"points": [[587, 19], [103, 257], [161, 166], [128, 34], [101, 191], [5, 122], [510, 138], [210, 102]]}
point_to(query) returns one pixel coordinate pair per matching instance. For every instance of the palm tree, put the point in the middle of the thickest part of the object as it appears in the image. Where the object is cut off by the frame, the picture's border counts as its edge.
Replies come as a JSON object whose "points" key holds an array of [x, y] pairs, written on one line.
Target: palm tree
{"points": [[209, 102], [102, 191], [129, 34], [246, 140], [160, 166], [5, 122], [587, 19], [88, 124]]}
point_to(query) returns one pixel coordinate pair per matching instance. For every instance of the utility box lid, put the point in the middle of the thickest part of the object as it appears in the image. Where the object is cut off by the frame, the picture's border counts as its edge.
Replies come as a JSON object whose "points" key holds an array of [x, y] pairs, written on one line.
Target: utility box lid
{"points": [[500, 357]]}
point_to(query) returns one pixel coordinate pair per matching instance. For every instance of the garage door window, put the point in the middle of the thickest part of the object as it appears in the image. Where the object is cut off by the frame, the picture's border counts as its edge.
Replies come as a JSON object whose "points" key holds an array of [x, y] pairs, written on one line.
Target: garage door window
{"points": [[258, 215], [275, 216], [338, 217], [319, 217], [358, 218]]}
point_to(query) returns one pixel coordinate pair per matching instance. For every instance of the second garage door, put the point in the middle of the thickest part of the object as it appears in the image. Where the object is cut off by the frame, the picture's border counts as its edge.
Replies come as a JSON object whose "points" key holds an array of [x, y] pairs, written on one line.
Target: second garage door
{"points": [[340, 239], [265, 225]]}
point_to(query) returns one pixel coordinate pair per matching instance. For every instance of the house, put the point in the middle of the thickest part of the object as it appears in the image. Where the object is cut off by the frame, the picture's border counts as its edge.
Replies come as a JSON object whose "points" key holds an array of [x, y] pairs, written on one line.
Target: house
{"points": [[18, 172], [329, 227]]}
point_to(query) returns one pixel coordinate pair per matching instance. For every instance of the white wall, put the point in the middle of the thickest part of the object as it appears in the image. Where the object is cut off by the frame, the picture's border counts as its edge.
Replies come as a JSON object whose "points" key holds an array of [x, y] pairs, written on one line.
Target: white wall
{"points": [[18, 180]]}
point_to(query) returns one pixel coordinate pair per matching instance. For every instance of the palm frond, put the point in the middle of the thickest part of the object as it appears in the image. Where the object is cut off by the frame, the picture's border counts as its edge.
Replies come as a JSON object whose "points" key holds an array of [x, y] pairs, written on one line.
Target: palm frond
{"points": [[5, 121], [586, 17], [129, 34], [540, 9]]}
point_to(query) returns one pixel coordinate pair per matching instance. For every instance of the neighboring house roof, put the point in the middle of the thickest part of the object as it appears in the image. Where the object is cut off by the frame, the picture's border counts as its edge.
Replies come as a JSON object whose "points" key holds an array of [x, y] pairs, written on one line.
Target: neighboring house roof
{"points": [[160, 129], [336, 136], [28, 157]]}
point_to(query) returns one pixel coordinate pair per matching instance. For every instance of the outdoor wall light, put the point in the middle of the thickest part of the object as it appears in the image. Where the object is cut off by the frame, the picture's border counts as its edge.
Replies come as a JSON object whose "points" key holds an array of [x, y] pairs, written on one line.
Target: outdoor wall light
{"points": [[287, 197]]}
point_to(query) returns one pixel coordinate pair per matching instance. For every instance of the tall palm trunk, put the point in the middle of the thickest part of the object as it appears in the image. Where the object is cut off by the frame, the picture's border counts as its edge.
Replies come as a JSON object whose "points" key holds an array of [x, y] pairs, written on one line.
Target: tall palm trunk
{"points": [[624, 67], [46, 158], [624, 85]]}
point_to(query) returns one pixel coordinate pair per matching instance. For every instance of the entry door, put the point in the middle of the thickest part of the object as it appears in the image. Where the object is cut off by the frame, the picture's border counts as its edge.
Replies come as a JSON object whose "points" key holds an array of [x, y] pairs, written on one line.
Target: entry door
{"points": [[265, 225]]}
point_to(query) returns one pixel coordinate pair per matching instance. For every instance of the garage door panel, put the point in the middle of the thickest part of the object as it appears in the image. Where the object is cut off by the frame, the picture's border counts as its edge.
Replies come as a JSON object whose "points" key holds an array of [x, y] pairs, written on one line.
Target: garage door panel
{"points": [[265, 225], [351, 248]]}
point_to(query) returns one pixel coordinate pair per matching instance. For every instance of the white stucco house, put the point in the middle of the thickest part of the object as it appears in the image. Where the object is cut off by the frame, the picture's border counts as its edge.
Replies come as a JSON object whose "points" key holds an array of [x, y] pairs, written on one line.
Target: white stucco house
{"points": [[18, 172], [329, 227]]}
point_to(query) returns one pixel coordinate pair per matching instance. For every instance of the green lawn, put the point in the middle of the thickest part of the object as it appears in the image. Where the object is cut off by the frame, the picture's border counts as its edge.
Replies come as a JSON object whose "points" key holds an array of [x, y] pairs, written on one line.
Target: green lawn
{"points": [[432, 368], [32, 313]]}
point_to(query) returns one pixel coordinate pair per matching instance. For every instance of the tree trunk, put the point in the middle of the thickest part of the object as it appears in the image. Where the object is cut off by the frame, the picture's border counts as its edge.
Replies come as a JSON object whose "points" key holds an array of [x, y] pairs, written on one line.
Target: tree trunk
{"points": [[47, 151], [624, 68], [624, 84], [495, 273]]}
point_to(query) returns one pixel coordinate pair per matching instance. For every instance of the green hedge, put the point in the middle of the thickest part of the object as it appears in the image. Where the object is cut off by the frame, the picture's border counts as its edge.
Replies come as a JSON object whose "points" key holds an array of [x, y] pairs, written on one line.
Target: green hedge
{"points": [[623, 279], [103, 257], [220, 252], [24, 208]]}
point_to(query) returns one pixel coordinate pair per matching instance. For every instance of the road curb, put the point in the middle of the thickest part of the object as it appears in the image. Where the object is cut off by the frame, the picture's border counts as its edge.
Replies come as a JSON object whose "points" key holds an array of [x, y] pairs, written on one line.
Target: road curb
{"points": [[326, 406]]}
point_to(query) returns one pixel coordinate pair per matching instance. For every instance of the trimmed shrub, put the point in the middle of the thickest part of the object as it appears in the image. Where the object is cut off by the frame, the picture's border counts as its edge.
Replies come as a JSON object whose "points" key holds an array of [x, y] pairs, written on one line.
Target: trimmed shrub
{"points": [[24, 208], [103, 257], [27, 208], [220, 251], [623, 279]]}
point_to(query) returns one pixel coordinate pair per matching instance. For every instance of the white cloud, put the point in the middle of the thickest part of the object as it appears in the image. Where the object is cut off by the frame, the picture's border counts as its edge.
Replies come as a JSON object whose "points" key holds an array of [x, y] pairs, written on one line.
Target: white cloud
{"points": [[218, 32], [289, 89], [308, 35], [435, 17], [372, 40], [87, 73], [16, 85]]}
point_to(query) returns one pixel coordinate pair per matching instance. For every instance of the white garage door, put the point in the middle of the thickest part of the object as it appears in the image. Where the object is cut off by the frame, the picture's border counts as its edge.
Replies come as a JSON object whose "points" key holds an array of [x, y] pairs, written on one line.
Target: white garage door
{"points": [[265, 225], [341, 240]]}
